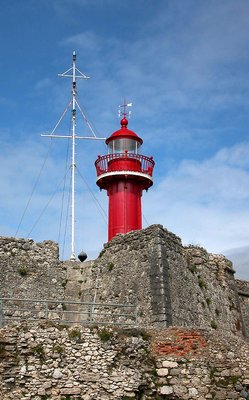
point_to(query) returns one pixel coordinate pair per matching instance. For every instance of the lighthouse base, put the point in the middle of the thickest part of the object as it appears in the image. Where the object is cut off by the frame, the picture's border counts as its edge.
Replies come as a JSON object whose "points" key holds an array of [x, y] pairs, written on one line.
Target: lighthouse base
{"points": [[125, 212]]}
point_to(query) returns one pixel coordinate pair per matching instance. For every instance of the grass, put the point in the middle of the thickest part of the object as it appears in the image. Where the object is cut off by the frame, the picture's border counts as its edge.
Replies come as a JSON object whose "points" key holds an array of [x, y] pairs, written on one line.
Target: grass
{"points": [[193, 269], [227, 381], [23, 271], [105, 335], [135, 332], [74, 334], [57, 348], [110, 266], [208, 301], [39, 351], [213, 371], [213, 324], [202, 282]]}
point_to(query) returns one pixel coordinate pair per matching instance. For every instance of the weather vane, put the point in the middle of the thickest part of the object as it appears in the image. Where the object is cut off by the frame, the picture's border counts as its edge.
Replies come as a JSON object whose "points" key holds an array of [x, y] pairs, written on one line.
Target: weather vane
{"points": [[122, 110]]}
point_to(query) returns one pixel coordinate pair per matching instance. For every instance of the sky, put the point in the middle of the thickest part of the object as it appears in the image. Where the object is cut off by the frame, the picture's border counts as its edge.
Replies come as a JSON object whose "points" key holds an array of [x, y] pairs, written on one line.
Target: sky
{"points": [[184, 64]]}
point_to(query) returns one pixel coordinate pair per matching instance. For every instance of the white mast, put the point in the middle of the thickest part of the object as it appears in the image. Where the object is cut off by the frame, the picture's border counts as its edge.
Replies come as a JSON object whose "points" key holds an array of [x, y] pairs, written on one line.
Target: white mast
{"points": [[73, 158], [71, 73]]}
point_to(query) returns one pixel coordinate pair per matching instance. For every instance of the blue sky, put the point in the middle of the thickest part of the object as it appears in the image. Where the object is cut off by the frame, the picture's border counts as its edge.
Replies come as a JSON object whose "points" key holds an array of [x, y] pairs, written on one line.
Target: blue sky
{"points": [[185, 66]]}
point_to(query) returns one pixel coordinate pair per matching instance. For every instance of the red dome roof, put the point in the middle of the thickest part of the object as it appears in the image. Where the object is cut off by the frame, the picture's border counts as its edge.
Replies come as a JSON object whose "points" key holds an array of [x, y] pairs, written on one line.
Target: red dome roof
{"points": [[124, 133]]}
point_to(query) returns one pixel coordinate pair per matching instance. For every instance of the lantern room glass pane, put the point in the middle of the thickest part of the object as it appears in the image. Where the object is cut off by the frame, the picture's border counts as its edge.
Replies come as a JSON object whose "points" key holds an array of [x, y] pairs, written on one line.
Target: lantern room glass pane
{"points": [[110, 147], [122, 145]]}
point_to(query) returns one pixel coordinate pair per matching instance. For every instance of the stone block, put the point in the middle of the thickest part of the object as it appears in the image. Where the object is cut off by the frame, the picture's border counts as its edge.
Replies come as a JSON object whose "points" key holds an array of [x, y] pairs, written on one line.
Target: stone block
{"points": [[162, 371], [180, 390], [193, 392], [57, 374], [70, 391], [169, 364], [166, 390]]}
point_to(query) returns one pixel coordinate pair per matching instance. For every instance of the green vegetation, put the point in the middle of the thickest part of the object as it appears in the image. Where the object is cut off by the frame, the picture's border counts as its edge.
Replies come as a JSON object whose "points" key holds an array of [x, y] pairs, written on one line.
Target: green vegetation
{"points": [[135, 332], [74, 334], [57, 348], [23, 271], [196, 246], [202, 283], [39, 351], [208, 301], [213, 371], [227, 380], [193, 269], [105, 335], [213, 324], [110, 266]]}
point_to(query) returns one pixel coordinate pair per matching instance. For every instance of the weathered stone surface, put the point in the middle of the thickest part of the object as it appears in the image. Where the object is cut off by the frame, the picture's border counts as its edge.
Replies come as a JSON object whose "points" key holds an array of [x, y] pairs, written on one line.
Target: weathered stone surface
{"points": [[57, 374], [193, 392], [171, 285], [166, 390], [148, 268], [30, 268], [162, 371], [243, 291], [169, 364], [119, 367]]}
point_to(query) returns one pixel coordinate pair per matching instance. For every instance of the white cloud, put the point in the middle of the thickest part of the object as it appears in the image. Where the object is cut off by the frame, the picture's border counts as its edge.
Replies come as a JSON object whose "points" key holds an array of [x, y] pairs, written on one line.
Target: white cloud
{"points": [[240, 259], [183, 64], [43, 84], [84, 40], [205, 202], [18, 180]]}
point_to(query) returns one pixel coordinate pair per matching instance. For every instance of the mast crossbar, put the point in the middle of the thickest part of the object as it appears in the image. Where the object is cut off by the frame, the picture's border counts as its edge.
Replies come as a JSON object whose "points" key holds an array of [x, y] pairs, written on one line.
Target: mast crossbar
{"points": [[76, 76], [70, 136]]}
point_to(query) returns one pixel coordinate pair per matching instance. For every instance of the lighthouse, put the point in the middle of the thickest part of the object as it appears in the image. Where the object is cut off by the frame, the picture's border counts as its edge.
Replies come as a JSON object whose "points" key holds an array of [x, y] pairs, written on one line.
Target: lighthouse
{"points": [[124, 173]]}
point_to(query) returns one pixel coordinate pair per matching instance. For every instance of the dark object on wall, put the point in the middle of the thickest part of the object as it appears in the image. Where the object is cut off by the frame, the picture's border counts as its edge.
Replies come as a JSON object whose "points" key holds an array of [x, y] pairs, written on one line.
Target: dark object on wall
{"points": [[82, 256]]}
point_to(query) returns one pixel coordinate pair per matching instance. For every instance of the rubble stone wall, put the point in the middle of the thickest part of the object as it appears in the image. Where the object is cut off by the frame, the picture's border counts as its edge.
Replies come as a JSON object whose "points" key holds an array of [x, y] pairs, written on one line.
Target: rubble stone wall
{"points": [[171, 284], [45, 361], [243, 291], [30, 270]]}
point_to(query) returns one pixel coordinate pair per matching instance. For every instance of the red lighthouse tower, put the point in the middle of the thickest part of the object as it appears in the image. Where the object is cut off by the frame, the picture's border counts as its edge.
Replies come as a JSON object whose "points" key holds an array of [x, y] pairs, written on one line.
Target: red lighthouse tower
{"points": [[124, 173]]}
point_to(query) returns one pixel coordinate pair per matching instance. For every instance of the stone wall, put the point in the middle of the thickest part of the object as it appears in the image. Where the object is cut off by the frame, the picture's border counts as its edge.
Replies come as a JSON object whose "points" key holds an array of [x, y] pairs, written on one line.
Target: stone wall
{"points": [[39, 362], [192, 316], [171, 284], [243, 291], [30, 270]]}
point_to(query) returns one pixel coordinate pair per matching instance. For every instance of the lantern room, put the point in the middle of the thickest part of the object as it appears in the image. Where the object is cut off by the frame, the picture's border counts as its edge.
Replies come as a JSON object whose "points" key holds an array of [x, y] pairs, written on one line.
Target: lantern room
{"points": [[123, 140]]}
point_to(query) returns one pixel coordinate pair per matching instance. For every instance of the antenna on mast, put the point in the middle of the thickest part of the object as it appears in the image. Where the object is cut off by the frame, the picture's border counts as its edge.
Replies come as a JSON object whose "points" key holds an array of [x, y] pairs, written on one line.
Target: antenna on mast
{"points": [[73, 73]]}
